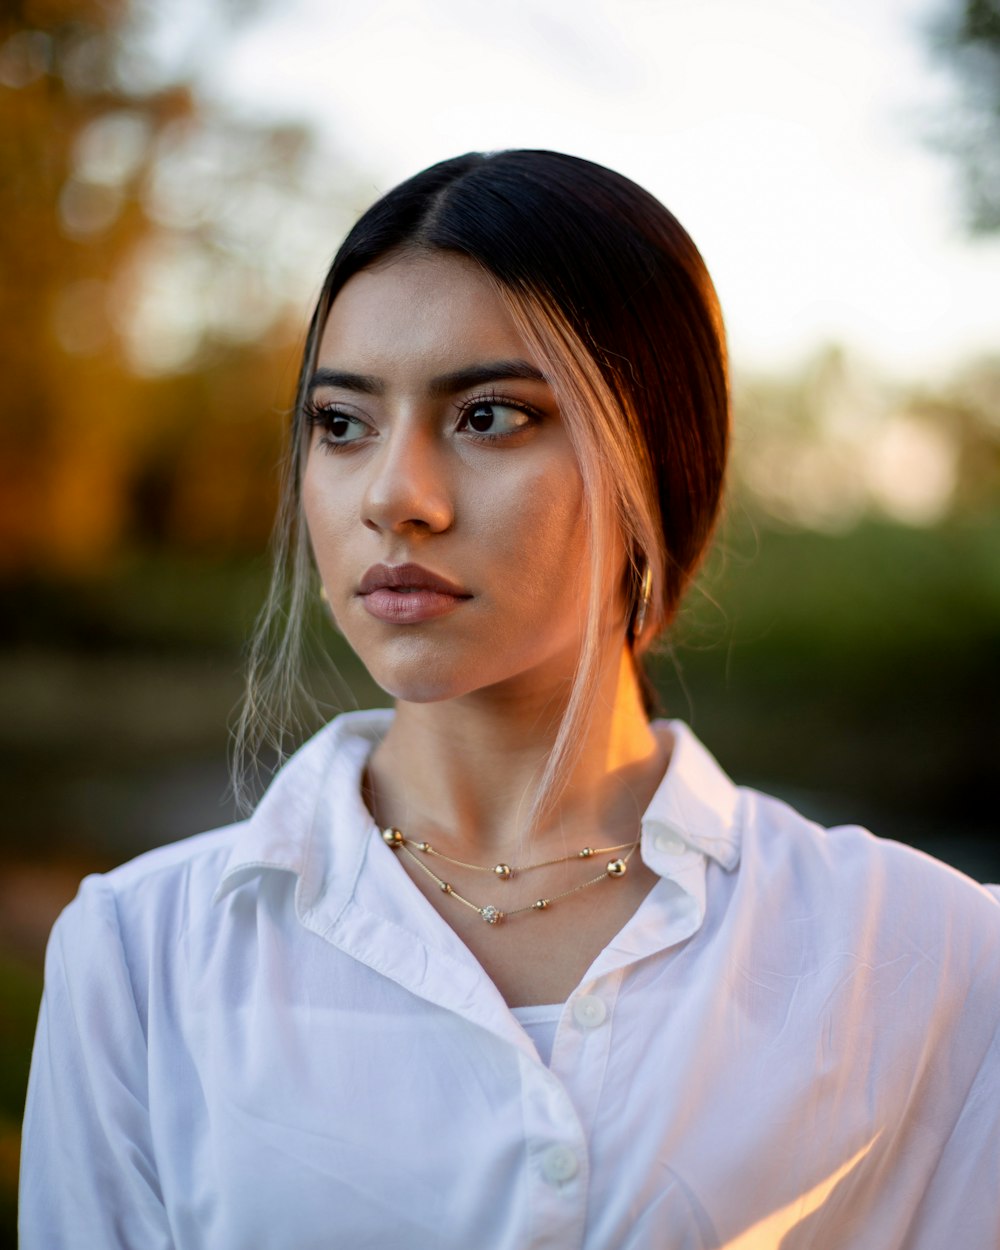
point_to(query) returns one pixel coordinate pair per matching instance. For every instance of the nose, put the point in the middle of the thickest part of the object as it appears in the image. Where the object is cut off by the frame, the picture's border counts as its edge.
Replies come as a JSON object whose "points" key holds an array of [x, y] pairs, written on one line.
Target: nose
{"points": [[408, 488]]}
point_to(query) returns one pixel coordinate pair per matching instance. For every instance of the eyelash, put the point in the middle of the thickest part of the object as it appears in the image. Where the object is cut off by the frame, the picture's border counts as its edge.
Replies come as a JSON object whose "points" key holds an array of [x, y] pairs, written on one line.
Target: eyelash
{"points": [[324, 416], [498, 401]]}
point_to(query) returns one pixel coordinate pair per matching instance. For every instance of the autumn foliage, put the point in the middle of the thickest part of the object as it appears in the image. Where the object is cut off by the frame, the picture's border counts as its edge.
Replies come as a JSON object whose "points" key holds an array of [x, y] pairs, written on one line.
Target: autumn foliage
{"points": [[156, 255]]}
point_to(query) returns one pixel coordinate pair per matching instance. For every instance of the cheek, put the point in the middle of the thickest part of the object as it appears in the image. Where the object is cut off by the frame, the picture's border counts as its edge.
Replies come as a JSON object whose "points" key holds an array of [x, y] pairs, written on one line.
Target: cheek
{"points": [[325, 509], [537, 531]]}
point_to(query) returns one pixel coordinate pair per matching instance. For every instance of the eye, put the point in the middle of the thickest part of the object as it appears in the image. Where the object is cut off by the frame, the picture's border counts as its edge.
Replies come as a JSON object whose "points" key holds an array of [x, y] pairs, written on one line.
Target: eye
{"points": [[338, 427], [490, 418]]}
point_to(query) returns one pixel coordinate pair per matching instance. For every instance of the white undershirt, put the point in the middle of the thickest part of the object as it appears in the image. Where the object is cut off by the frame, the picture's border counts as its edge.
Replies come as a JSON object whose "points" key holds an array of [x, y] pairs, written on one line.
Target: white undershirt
{"points": [[540, 1024]]}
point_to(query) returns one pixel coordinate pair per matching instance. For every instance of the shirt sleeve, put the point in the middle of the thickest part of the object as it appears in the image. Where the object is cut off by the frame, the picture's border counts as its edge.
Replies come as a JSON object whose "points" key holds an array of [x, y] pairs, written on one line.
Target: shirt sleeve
{"points": [[960, 1206], [88, 1173]]}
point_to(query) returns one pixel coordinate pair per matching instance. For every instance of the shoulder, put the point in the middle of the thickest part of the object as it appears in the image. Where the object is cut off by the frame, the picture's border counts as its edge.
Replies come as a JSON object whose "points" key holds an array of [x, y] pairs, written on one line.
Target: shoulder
{"points": [[160, 891], [874, 910], [166, 896], [848, 862], [790, 865], [192, 859]]}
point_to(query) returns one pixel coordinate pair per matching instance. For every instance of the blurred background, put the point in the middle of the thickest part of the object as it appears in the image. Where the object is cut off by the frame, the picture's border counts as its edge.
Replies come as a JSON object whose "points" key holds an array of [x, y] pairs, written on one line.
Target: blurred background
{"points": [[175, 178]]}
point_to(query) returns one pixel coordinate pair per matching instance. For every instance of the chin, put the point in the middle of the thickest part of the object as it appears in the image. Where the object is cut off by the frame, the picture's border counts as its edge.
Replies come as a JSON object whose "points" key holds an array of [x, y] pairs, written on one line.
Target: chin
{"points": [[436, 680], [423, 667], [423, 675], [422, 687]]}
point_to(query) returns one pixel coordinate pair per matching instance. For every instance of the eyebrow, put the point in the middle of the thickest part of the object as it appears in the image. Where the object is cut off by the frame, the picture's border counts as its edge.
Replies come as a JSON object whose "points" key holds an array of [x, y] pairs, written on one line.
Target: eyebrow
{"points": [[443, 384]]}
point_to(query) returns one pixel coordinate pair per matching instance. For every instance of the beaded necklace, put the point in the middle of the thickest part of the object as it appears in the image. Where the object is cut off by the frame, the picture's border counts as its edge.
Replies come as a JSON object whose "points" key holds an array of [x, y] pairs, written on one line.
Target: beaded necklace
{"points": [[614, 870]]}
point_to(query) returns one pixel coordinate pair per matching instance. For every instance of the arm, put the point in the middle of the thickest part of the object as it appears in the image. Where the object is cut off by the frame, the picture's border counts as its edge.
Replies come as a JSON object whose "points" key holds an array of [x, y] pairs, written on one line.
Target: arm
{"points": [[961, 1203], [88, 1174], [961, 1206]]}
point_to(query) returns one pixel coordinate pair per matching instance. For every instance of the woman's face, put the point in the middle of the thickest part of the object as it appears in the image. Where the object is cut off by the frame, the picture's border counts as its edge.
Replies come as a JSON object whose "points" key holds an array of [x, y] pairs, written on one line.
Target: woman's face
{"points": [[441, 493]]}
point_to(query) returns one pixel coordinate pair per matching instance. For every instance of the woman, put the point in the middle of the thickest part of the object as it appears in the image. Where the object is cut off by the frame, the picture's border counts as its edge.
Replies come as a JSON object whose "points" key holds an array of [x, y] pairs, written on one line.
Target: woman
{"points": [[512, 966]]}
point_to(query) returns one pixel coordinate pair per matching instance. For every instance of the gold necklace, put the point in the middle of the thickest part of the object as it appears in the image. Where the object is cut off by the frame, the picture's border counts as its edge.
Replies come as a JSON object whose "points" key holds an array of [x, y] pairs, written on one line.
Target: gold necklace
{"points": [[614, 870]]}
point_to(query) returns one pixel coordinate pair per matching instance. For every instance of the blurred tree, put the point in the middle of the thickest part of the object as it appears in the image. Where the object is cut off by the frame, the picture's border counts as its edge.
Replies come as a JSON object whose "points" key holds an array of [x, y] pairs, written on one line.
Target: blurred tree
{"points": [[157, 254], [833, 445], [967, 37]]}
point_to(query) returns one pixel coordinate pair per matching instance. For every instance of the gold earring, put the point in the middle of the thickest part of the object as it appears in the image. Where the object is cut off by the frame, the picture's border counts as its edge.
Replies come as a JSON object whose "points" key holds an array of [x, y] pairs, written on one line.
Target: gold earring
{"points": [[323, 595], [645, 594]]}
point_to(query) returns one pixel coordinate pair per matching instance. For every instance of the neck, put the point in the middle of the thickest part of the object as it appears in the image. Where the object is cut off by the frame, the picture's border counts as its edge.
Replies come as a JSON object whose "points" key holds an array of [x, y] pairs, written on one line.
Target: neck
{"points": [[463, 773]]}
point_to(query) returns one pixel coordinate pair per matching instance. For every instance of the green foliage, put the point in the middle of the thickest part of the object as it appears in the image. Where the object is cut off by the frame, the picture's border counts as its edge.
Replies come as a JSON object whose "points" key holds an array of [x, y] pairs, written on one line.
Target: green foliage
{"points": [[966, 36], [856, 674], [20, 993]]}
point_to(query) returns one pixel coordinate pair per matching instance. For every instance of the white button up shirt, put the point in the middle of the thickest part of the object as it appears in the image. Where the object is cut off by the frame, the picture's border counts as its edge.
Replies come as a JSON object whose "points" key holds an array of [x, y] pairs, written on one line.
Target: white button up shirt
{"points": [[266, 1037]]}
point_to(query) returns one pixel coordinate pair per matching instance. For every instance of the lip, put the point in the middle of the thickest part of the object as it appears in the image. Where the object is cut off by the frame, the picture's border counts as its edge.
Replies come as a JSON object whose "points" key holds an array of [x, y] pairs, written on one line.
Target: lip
{"points": [[408, 577], [407, 594]]}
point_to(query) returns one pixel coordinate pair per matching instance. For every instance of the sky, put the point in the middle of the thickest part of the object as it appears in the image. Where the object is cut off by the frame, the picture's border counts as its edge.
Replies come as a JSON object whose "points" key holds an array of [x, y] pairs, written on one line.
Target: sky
{"points": [[786, 135]]}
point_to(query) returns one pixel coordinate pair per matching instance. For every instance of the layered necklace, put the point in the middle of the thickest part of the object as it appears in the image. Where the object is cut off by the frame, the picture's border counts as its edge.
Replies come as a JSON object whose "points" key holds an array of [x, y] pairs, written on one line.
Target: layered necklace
{"points": [[614, 870]]}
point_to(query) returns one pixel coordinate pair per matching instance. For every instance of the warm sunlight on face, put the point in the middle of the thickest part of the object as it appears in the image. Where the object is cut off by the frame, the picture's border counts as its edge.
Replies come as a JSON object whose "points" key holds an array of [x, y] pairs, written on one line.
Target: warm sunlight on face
{"points": [[441, 492]]}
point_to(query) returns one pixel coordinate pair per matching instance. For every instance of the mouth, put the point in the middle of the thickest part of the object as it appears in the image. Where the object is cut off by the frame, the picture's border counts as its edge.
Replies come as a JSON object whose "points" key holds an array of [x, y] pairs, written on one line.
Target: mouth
{"points": [[408, 579], [407, 594]]}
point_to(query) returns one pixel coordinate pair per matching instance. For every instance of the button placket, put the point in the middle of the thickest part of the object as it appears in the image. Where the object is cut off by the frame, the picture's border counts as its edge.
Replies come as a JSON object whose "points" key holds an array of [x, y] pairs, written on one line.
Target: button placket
{"points": [[583, 1044], [557, 1159]]}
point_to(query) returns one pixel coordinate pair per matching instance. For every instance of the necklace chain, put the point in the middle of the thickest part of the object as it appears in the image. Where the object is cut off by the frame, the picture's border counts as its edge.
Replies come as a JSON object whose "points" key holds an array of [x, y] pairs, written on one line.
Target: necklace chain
{"points": [[614, 870], [505, 872]]}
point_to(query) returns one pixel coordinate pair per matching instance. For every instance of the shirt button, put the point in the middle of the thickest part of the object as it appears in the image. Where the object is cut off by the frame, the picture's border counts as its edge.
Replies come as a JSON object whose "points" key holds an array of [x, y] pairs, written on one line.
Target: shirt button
{"points": [[669, 842], [589, 1011], [559, 1164]]}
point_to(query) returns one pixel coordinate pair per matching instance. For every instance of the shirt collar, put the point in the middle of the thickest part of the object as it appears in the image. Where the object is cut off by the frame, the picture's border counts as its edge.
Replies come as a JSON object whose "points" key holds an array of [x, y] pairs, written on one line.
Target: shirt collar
{"points": [[309, 820], [318, 788], [695, 807]]}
